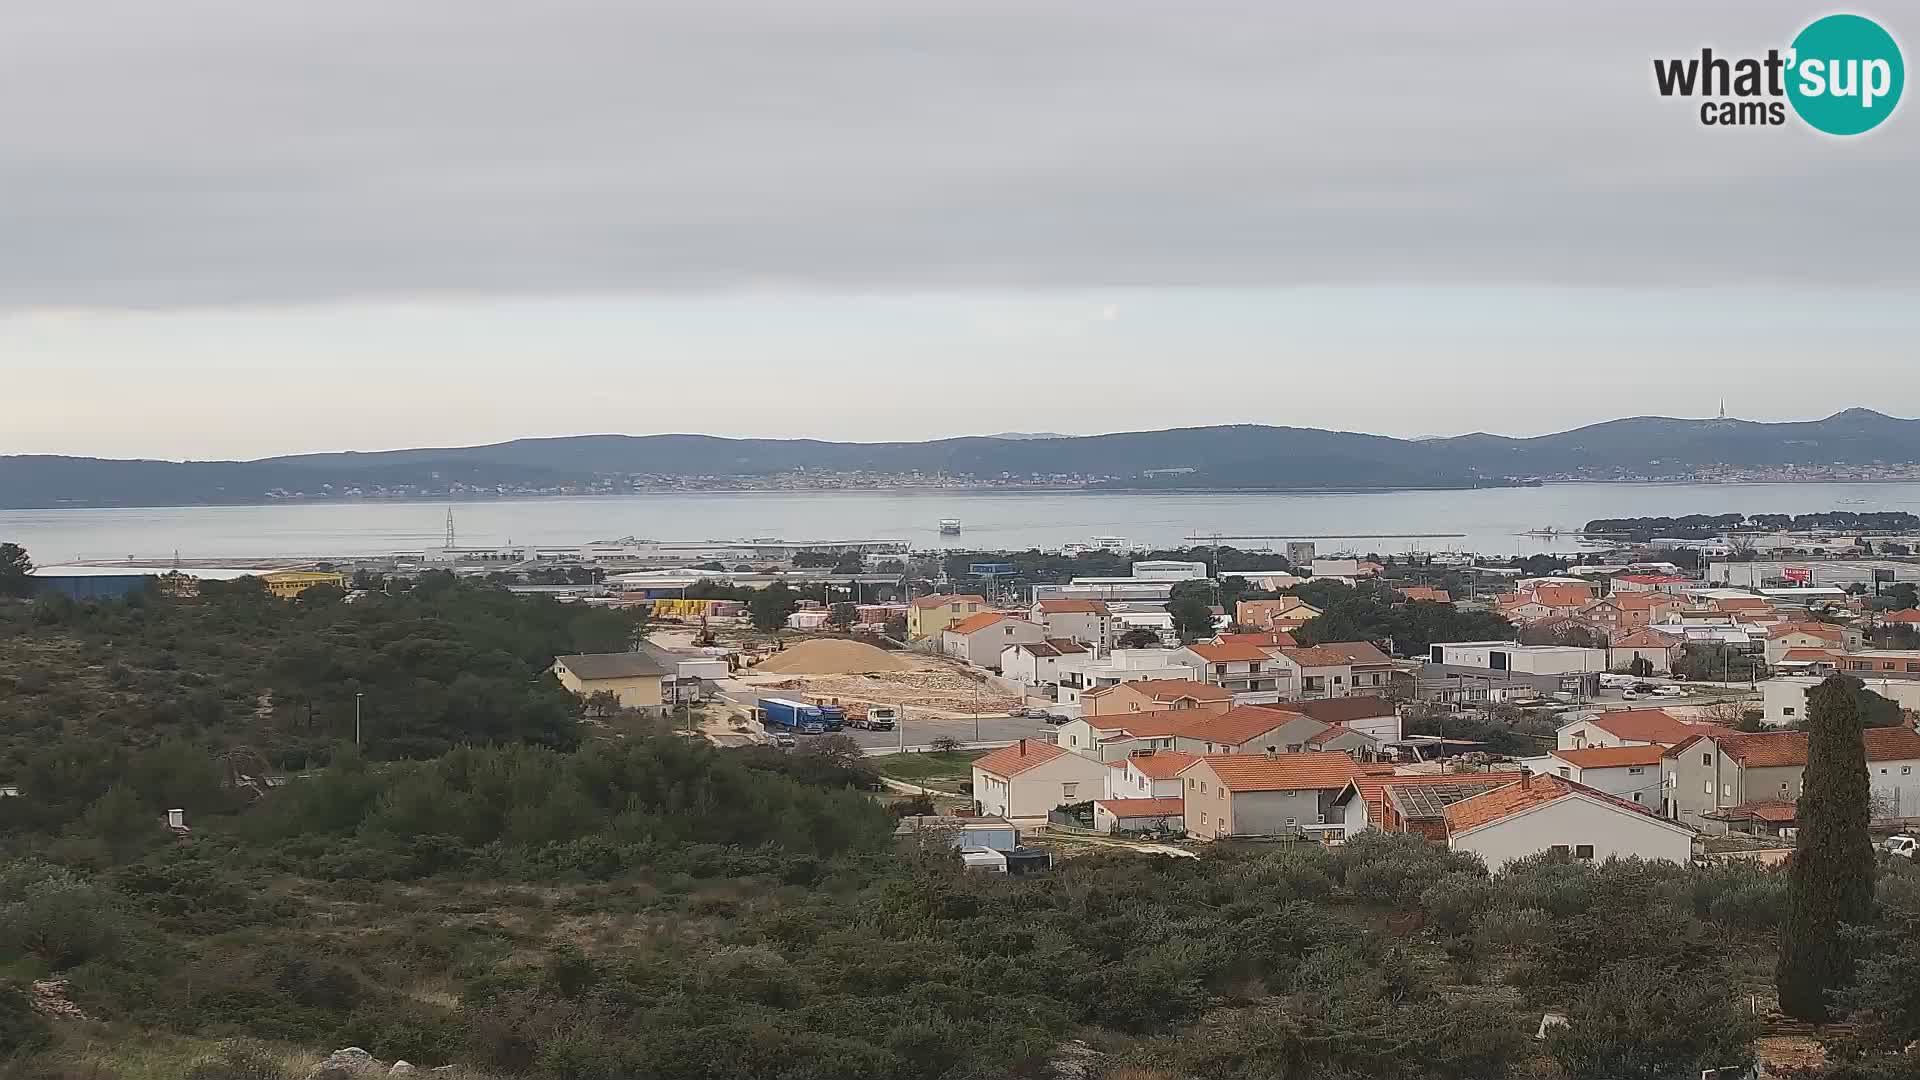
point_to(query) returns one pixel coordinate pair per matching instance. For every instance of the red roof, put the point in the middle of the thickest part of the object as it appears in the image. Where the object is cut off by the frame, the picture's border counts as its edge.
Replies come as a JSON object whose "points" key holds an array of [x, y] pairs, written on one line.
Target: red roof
{"points": [[1228, 653], [975, 623], [1612, 757], [1644, 638], [1281, 772], [1653, 579], [1527, 793], [1373, 789], [1161, 764], [1167, 690], [1644, 725], [1072, 607], [1810, 656], [1562, 595], [1826, 631], [1909, 615], [1170, 806], [1336, 654], [1023, 756], [1340, 710], [1629, 601], [1425, 592], [1740, 603], [1236, 726], [1776, 749]]}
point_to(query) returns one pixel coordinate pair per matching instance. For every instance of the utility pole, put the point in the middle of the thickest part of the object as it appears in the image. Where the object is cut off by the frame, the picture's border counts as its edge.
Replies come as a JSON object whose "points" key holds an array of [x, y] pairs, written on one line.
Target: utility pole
{"points": [[357, 695]]}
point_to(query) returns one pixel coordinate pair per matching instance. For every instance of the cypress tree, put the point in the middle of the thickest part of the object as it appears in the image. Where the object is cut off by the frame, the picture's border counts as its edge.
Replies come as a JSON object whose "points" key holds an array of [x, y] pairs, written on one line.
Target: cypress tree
{"points": [[1830, 881]]}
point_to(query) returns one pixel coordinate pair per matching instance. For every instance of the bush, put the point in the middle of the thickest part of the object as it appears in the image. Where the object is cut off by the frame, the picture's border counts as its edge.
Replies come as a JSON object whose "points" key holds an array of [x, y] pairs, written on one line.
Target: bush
{"points": [[22, 1031], [56, 915], [1452, 902], [1645, 1021], [238, 1061]]}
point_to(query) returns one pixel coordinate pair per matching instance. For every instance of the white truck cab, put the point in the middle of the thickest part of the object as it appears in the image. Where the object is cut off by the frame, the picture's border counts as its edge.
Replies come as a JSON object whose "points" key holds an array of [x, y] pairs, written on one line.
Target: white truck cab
{"points": [[1904, 846]]}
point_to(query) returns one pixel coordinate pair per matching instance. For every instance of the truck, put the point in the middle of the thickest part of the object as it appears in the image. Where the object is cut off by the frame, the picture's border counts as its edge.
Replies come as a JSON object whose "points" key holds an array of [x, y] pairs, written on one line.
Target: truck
{"points": [[793, 717], [878, 718]]}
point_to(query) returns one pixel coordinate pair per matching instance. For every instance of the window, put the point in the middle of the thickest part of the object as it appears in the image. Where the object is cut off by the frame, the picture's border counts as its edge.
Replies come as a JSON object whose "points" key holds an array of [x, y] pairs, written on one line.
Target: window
{"points": [[1559, 849], [1635, 770], [1338, 679], [1787, 711], [1726, 791], [1190, 783], [1636, 796], [1583, 851], [1707, 788], [1203, 787], [1289, 823], [1707, 760], [1906, 770], [1564, 771], [1068, 791]]}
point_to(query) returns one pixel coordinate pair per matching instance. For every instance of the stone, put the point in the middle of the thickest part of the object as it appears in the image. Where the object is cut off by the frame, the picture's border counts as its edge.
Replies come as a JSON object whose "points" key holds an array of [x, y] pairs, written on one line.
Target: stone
{"points": [[345, 1064], [402, 1068]]}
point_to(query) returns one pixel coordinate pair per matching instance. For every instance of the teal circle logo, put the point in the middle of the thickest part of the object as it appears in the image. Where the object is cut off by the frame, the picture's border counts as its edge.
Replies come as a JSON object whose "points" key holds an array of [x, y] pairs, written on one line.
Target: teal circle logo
{"points": [[1846, 74]]}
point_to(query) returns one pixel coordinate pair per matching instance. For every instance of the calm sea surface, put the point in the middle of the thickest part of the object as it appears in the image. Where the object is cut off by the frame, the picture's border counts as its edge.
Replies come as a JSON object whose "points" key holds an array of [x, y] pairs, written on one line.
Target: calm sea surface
{"points": [[1491, 520]]}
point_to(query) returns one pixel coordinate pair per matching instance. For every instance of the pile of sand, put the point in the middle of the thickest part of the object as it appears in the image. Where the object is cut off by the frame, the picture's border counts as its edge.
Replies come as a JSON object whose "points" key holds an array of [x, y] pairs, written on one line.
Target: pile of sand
{"points": [[830, 656]]}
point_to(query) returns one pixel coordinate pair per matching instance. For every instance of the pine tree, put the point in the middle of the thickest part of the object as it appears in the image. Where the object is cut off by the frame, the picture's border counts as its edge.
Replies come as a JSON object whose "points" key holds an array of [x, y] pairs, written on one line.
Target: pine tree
{"points": [[1830, 882]]}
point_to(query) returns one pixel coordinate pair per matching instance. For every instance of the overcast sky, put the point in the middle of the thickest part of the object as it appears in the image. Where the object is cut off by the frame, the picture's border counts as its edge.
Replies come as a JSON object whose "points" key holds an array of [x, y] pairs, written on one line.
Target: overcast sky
{"points": [[235, 228]]}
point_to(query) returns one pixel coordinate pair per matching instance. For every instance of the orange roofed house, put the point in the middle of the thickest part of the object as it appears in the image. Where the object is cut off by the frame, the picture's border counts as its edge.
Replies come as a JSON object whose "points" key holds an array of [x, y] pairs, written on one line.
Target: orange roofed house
{"points": [[928, 615], [1154, 695], [980, 639], [1085, 621], [1719, 771], [1548, 813], [1265, 795], [1029, 778]]}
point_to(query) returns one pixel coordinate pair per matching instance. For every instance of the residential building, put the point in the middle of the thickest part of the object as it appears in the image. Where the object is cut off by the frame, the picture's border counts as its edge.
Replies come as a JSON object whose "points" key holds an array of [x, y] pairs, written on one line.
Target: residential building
{"points": [[1659, 650], [1783, 698], [1149, 774], [1527, 659], [1542, 599], [1262, 614], [1355, 744], [1140, 815], [1628, 727], [1085, 621], [287, 584], [1411, 804], [927, 616], [1336, 669], [1711, 773], [1453, 684], [1427, 593], [1030, 778], [1036, 663], [1262, 639], [1265, 795], [1549, 813], [1249, 672], [980, 639], [1787, 636], [1115, 738], [1079, 674], [1632, 773], [634, 678], [1153, 695], [1642, 608], [1881, 663], [1603, 615]]}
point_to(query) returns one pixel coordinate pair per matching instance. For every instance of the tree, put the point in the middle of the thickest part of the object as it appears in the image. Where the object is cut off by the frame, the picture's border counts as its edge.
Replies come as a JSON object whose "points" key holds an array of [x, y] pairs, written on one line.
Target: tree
{"points": [[769, 608], [945, 744], [15, 571], [1640, 668], [897, 627], [1904, 594], [1137, 638], [842, 615], [1192, 614], [1830, 880]]}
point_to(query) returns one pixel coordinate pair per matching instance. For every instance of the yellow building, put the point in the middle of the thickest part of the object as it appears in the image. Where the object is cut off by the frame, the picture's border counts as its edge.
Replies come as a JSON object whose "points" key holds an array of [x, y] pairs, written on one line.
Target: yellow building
{"points": [[928, 616], [287, 584], [635, 678]]}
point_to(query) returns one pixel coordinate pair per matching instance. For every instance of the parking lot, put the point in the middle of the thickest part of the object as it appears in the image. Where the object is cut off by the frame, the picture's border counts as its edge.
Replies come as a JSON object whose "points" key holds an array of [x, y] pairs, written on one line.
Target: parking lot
{"points": [[918, 733]]}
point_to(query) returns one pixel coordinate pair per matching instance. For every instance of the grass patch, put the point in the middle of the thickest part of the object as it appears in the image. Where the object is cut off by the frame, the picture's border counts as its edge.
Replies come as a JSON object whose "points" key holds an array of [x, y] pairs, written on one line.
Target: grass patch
{"points": [[928, 770]]}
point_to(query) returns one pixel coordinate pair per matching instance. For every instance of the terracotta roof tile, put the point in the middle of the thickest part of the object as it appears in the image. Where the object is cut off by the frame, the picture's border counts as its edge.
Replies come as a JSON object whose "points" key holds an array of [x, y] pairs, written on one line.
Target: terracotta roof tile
{"points": [[1170, 806], [1776, 749], [1612, 757], [1336, 654], [1527, 793], [1811, 655], [1072, 607], [1281, 772], [1562, 595], [976, 623], [1023, 756], [1425, 592], [1644, 638], [1340, 710], [1909, 615], [1373, 788], [944, 600], [1644, 725], [1168, 690], [1161, 764], [1236, 726], [1824, 631]]}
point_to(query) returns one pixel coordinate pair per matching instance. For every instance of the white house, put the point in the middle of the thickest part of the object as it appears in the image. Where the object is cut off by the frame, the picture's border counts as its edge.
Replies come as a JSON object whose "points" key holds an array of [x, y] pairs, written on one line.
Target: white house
{"points": [[1029, 778], [1525, 659], [1086, 621], [1079, 674], [1627, 727], [1629, 772], [980, 639], [1548, 813], [1784, 697], [1149, 774], [1037, 663], [1164, 815], [1251, 674]]}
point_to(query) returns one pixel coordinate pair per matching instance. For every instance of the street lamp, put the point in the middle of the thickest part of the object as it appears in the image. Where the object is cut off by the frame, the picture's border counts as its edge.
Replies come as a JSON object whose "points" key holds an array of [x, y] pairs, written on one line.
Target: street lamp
{"points": [[357, 695]]}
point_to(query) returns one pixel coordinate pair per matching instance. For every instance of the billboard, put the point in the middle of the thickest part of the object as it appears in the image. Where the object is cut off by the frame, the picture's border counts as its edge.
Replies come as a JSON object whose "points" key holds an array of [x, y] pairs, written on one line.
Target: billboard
{"points": [[1797, 574], [1882, 573], [990, 569]]}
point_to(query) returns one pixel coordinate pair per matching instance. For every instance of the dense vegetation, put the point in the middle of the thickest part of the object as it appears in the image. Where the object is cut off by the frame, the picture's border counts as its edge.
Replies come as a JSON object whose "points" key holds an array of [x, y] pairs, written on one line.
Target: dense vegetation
{"points": [[561, 903], [1374, 614], [1699, 526]]}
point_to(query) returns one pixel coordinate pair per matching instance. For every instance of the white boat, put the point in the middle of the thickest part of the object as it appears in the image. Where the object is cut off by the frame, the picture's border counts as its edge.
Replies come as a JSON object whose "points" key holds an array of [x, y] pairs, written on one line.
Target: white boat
{"points": [[949, 526]]}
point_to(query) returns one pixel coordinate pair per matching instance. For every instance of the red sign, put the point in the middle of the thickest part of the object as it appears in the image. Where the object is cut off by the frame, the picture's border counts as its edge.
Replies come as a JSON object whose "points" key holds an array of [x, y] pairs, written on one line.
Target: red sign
{"points": [[1797, 573]]}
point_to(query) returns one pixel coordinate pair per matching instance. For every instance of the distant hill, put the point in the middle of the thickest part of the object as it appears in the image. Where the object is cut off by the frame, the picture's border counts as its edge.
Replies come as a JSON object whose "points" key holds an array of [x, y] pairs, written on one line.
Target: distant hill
{"points": [[1234, 456]]}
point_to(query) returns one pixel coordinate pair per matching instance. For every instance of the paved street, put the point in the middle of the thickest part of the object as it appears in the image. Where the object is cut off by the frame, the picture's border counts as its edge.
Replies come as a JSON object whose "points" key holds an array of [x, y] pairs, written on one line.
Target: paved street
{"points": [[993, 729]]}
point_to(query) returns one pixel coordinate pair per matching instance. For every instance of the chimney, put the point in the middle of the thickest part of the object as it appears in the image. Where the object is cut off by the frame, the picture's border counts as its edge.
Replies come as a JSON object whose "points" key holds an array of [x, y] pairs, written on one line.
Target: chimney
{"points": [[1526, 780], [1023, 748]]}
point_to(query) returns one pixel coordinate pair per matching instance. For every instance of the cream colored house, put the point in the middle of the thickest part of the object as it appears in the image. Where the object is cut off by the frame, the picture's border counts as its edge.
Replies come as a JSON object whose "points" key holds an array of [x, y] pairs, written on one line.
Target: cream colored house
{"points": [[1029, 778], [635, 678], [927, 616]]}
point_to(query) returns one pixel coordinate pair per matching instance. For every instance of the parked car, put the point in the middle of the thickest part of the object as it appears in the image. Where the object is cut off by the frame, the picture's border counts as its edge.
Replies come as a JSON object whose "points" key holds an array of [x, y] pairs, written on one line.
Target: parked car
{"points": [[1017, 711], [1902, 846], [1036, 714], [1629, 695], [1670, 691], [1059, 718], [785, 741]]}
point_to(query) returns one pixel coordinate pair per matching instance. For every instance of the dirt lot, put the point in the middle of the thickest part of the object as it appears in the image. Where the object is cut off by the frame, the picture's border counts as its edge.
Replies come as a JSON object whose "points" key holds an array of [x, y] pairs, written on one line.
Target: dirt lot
{"points": [[932, 688]]}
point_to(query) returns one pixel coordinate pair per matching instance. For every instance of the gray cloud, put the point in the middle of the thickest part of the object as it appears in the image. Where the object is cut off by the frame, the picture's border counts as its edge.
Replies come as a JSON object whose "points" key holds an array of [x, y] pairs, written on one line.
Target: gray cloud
{"points": [[220, 152]]}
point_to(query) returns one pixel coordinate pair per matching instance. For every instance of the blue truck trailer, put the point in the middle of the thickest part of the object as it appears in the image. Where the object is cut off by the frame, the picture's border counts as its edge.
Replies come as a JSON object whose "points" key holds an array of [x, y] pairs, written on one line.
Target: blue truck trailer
{"points": [[797, 717]]}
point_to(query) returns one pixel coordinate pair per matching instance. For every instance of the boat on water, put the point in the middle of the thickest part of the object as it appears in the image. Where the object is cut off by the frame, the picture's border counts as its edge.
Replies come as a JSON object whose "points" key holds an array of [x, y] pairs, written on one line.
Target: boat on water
{"points": [[949, 526]]}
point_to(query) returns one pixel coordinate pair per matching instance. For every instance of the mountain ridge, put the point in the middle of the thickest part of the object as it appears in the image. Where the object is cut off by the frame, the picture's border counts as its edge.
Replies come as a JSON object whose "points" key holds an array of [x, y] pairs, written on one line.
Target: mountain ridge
{"points": [[1187, 458]]}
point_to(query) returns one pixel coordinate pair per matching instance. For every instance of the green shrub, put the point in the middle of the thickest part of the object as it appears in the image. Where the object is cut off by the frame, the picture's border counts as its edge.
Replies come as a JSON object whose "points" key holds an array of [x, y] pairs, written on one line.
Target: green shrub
{"points": [[1452, 902], [56, 915], [22, 1030]]}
